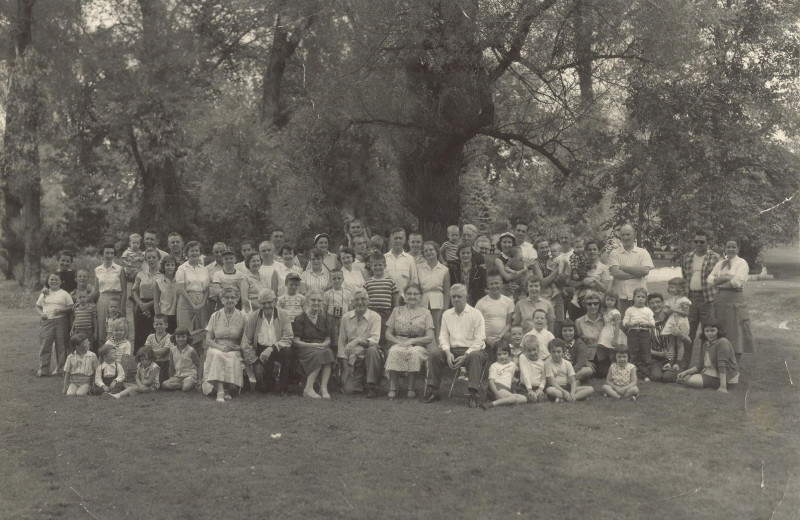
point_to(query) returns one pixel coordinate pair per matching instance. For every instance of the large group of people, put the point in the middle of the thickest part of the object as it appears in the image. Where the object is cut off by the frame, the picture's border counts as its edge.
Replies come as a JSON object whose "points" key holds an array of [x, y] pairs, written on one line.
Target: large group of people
{"points": [[530, 321]]}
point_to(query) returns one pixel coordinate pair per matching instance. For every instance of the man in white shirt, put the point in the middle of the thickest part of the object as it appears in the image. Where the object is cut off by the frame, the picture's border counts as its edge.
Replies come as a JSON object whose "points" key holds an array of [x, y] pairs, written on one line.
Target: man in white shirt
{"points": [[629, 266], [400, 266], [498, 311], [461, 343], [267, 271]]}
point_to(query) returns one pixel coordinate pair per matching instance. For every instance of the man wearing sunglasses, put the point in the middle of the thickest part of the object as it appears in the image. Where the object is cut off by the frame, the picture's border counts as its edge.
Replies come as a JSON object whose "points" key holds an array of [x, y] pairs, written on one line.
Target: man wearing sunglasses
{"points": [[695, 268]]}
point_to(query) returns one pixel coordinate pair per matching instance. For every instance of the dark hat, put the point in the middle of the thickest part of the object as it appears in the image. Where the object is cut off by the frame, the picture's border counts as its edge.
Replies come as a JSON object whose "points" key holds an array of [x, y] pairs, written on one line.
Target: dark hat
{"points": [[228, 251], [293, 276]]}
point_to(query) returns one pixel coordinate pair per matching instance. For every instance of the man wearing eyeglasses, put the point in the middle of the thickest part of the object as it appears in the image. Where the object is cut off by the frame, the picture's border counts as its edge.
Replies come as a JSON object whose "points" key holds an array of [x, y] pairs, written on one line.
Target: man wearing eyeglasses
{"points": [[695, 268]]}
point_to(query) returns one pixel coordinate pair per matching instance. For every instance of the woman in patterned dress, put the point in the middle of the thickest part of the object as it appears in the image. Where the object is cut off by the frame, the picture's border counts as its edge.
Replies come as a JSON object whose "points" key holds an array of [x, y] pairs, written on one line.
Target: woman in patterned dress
{"points": [[410, 329], [223, 364]]}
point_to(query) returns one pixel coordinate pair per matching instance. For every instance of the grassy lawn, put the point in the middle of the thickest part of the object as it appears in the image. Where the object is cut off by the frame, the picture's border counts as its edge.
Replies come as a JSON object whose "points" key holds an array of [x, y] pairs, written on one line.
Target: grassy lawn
{"points": [[675, 453]]}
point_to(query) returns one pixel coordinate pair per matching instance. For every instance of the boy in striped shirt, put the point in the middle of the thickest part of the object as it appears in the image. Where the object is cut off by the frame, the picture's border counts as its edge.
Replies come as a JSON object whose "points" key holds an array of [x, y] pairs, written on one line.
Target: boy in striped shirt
{"points": [[382, 291]]}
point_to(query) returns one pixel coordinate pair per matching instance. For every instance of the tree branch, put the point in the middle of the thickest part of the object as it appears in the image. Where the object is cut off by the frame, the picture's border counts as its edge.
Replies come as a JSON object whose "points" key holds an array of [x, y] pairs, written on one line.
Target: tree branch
{"points": [[513, 53], [511, 137], [135, 150]]}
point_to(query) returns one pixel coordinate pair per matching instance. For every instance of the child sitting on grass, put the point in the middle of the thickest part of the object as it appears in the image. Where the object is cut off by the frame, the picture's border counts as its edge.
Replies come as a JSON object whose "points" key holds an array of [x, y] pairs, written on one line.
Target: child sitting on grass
{"points": [[184, 364], [501, 373], [531, 371], [560, 375], [676, 330], [621, 379], [147, 379], [80, 367], [110, 376]]}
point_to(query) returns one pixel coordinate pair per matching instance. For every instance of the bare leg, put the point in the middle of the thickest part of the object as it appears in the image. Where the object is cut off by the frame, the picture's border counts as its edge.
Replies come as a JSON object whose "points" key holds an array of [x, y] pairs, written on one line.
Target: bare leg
{"points": [[582, 392], [309, 390], [323, 384], [393, 377], [632, 391], [412, 380], [606, 389]]}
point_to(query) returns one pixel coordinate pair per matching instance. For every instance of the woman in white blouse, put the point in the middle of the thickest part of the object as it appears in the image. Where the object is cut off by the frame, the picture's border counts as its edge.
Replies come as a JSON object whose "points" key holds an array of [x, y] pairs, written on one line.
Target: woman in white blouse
{"points": [[434, 278], [111, 284], [353, 278], [732, 313], [192, 284]]}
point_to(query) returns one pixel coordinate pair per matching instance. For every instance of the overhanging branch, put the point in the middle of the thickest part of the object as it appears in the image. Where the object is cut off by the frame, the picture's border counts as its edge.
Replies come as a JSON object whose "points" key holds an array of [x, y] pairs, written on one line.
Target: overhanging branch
{"points": [[512, 138]]}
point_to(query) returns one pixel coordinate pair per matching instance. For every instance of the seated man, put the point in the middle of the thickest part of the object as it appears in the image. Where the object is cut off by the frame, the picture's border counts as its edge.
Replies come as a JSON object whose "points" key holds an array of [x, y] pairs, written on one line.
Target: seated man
{"points": [[359, 355], [461, 343], [268, 338]]}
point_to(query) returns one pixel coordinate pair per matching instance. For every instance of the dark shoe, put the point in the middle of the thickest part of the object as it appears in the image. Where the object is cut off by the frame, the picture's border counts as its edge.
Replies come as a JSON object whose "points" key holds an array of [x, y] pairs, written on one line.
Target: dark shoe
{"points": [[371, 393], [473, 400]]}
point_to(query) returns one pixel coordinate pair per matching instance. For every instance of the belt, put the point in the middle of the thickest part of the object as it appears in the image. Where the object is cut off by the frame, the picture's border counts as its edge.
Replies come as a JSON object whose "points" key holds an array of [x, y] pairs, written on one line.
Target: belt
{"points": [[732, 289], [696, 292]]}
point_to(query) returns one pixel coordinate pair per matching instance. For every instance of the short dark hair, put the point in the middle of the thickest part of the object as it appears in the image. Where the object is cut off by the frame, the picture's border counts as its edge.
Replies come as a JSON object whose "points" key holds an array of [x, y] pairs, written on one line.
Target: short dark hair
{"points": [[316, 253], [286, 247], [250, 257], [556, 343], [274, 230], [653, 296], [567, 323], [66, 252], [174, 234], [167, 259], [109, 245], [347, 251], [377, 257], [397, 229], [150, 232], [504, 347], [701, 233]]}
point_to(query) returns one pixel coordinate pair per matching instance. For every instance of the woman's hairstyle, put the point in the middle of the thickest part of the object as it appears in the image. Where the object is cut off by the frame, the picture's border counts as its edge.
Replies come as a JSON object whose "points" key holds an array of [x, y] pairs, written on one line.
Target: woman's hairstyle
{"points": [[193, 243], [230, 290], [286, 247], [592, 295], [109, 245], [250, 257], [76, 339], [539, 241], [347, 251], [315, 291], [413, 285], [146, 352], [464, 245], [321, 235], [653, 296], [150, 250], [164, 261], [600, 245], [506, 235], [620, 348], [316, 253], [377, 242], [720, 331], [180, 331]]}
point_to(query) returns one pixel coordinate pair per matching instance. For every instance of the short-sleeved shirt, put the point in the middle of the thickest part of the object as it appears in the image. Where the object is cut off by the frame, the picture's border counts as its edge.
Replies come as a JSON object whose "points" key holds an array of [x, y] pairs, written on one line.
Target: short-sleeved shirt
{"points": [[53, 301], [195, 278], [401, 268], [380, 292], [353, 279], [544, 338], [621, 376], [560, 372], [432, 282], [636, 257], [292, 304], [319, 281], [84, 365], [495, 313], [337, 302], [167, 301], [108, 279], [226, 280], [84, 317], [158, 344], [502, 373]]}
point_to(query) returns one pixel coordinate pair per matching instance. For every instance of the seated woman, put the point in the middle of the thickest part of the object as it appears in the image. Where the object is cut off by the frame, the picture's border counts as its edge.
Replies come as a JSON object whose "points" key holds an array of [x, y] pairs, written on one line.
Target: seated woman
{"points": [[223, 364], [717, 366], [311, 345], [410, 330]]}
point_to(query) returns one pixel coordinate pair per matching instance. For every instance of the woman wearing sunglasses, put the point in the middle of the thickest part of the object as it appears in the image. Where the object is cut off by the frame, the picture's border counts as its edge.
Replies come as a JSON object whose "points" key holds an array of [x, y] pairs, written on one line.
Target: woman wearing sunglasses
{"points": [[588, 328]]}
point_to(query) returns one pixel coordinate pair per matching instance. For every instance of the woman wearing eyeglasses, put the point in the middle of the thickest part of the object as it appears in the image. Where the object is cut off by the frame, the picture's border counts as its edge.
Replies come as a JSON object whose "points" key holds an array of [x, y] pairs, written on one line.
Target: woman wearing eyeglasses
{"points": [[597, 278]]}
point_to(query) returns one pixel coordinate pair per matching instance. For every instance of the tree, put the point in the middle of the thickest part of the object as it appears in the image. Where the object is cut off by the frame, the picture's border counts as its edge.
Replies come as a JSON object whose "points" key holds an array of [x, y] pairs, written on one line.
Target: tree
{"points": [[20, 179]]}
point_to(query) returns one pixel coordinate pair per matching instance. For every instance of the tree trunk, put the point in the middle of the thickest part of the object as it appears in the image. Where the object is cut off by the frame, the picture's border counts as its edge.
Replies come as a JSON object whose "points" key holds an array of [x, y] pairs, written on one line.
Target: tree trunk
{"points": [[583, 53], [283, 47], [163, 198], [21, 180]]}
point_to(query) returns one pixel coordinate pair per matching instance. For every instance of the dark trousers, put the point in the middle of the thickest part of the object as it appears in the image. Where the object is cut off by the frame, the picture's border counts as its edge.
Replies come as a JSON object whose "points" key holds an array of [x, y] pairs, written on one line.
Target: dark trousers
{"points": [[639, 348], [437, 363], [699, 312], [367, 369], [142, 326], [286, 358], [624, 305]]}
